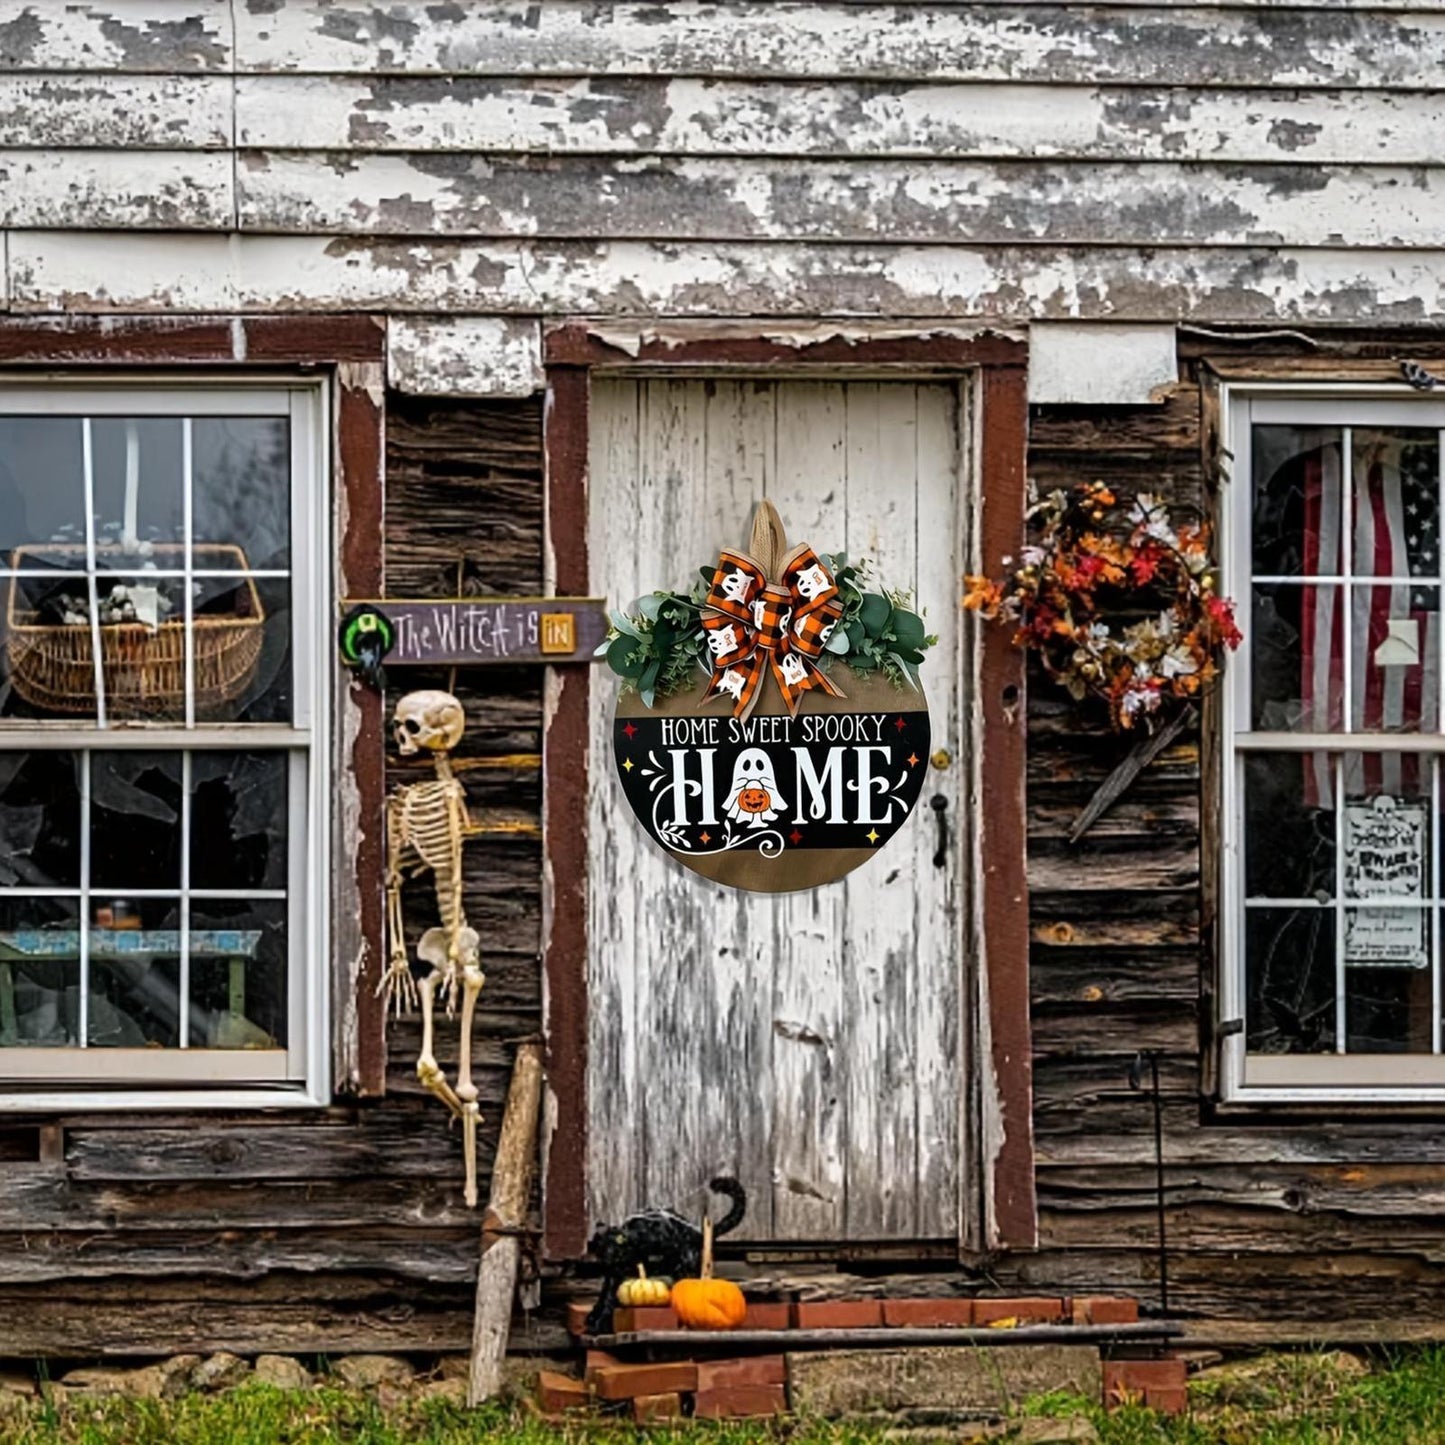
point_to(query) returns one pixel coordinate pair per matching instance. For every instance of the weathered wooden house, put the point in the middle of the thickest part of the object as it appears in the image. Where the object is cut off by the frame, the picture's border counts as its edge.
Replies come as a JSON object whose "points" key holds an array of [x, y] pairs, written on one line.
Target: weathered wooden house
{"points": [[315, 300]]}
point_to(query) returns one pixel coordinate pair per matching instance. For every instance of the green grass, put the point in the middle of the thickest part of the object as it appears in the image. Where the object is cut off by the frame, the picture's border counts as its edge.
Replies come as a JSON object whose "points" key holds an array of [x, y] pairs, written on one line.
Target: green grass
{"points": [[1295, 1399]]}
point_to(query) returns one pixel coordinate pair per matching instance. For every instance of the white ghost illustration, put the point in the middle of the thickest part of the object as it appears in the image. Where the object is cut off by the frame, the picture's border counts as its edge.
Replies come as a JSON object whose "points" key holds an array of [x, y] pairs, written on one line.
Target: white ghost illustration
{"points": [[754, 798]]}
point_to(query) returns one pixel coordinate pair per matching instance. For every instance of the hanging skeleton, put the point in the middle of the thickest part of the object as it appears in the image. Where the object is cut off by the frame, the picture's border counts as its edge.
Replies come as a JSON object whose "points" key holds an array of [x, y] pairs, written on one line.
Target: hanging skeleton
{"points": [[425, 825]]}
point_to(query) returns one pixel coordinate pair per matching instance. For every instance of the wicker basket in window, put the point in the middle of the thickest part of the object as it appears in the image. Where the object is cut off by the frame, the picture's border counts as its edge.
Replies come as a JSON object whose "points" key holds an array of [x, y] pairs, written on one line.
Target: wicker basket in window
{"points": [[53, 667]]}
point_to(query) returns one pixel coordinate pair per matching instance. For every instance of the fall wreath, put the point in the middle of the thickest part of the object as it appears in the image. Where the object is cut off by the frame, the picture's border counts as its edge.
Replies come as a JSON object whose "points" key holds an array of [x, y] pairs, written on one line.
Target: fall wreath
{"points": [[1101, 558]]}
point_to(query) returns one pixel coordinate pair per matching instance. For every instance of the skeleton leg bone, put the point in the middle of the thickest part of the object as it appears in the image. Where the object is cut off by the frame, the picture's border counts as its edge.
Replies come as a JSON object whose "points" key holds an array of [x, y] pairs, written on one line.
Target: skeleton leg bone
{"points": [[427, 1069], [472, 981]]}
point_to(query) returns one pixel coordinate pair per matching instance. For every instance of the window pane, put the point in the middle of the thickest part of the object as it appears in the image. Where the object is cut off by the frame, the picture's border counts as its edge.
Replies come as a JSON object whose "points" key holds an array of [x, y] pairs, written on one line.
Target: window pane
{"points": [[39, 820], [1290, 980], [1388, 1001], [238, 974], [135, 975], [1396, 502], [1297, 659], [242, 471], [135, 820], [238, 820], [1395, 663], [243, 649], [139, 491], [42, 485], [143, 647], [48, 668], [1297, 502], [1289, 826], [39, 972], [1387, 829]]}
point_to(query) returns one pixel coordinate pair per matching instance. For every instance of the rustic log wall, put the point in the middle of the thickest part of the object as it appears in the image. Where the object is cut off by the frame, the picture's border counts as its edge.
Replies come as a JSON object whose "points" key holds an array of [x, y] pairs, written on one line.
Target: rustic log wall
{"points": [[342, 1230], [1326, 1219]]}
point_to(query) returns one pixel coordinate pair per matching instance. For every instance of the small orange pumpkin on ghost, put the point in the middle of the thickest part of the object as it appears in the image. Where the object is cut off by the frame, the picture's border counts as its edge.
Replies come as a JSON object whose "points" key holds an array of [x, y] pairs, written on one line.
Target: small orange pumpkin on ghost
{"points": [[754, 800], [706, 1303]]}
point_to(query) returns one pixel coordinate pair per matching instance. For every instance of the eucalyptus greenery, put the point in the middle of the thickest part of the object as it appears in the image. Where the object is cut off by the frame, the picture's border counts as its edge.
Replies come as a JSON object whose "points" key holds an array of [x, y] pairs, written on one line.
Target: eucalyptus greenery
{"points": [[660, 647]]}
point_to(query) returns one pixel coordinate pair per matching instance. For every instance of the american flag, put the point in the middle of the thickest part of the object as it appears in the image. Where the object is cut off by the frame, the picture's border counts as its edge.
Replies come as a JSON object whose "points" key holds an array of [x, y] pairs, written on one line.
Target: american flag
{"points": [[1394, 670]]}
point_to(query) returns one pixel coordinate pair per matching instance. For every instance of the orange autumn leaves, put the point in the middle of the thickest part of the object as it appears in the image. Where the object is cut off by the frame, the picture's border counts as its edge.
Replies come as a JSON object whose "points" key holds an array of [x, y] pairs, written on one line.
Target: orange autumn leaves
{"points": [[1115, 600]]}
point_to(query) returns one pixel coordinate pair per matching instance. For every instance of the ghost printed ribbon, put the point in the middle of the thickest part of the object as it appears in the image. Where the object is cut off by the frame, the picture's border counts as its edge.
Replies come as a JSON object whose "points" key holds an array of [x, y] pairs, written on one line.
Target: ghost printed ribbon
{"points": [[753, 624]]}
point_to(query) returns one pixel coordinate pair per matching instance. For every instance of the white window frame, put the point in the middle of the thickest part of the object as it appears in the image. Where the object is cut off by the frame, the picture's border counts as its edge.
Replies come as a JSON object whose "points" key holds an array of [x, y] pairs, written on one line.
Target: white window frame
{"points": [[36, 1079], [1334, 1078]]}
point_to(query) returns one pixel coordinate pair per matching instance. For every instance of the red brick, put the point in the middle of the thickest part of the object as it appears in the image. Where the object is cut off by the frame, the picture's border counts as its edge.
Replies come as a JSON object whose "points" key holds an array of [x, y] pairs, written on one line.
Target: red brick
{"points": [[556, 1393], [740, 1402], [839, 1314], [657, 1407], [1026, 1310], [1133, 1380], [768, 1316], [577, 1313], [627, 1382], [927, 1313], [1167, 1402], [627, 1319], [1105, 1310], [753, 1370], [595, 1361]]}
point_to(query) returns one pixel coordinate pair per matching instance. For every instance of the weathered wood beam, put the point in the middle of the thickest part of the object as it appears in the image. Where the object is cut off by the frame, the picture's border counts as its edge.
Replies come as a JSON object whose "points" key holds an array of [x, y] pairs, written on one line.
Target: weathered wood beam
{"points": [[512, 1172]]}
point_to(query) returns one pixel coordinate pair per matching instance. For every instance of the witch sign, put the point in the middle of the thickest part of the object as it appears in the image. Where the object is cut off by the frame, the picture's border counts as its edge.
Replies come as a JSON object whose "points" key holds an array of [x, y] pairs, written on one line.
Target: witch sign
{"points": [[774, 735]]}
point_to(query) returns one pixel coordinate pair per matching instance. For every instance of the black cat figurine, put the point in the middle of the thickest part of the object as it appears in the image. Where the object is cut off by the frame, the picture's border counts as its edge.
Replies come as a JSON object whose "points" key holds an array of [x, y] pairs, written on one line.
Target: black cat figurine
{"points": [[661, 1241]]}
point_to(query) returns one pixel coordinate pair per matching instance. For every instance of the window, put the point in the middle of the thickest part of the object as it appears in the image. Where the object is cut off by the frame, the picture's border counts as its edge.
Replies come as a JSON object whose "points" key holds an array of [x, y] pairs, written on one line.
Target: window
{"points": [[1332, 885], [162, 807]]}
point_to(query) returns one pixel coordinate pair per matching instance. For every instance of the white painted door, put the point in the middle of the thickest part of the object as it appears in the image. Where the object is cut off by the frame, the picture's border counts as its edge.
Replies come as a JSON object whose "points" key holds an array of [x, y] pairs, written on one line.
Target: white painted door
{"points": [[808, 1043]]}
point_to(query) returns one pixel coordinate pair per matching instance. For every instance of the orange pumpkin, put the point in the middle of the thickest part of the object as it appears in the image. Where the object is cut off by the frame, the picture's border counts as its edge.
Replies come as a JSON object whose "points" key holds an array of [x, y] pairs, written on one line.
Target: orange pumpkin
{"points": [[706, 1303], [753, 800]]}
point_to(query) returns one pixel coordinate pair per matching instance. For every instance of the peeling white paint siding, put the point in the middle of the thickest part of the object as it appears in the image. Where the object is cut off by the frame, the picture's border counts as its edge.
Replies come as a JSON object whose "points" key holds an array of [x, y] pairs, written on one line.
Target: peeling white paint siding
{"points": [[56, 271], [464, 356], [1144, 162], [801, 39]]}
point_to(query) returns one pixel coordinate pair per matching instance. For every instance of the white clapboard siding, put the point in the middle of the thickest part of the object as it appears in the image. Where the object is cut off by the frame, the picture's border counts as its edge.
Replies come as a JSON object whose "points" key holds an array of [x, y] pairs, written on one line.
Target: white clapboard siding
{"points": [[682, 115], [126, 190], [56, 271], [464, 355], [116, 112], [146, 36], [1055, 44], [673, 198], [808, 1042]]}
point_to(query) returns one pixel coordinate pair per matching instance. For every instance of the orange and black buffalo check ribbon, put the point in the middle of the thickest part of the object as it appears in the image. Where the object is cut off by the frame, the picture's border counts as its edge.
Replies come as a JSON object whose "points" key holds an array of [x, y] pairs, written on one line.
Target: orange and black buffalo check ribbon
{"points": [[752, 623]]}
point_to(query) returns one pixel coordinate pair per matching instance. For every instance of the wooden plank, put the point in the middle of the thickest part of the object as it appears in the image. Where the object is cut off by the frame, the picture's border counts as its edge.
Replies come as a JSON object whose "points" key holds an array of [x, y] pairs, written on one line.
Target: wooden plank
{"points": [[123, 112], [399, 1143], [1040, 42], [811, 1074], [161, 37], [130, 190], [488, 356], [685, 115], [740, 419], [696, 198], [615, 1161], [883, 508], [52, 270], [944, 981]]}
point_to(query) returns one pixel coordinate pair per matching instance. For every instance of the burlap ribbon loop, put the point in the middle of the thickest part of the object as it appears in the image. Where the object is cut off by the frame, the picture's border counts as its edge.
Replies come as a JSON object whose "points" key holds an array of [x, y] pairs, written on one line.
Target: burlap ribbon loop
{"points": [[754, 623]]}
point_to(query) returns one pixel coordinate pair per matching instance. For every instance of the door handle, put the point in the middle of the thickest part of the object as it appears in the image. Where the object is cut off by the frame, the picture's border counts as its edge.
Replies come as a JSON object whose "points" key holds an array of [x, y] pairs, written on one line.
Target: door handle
{"points": [[939, 804]]}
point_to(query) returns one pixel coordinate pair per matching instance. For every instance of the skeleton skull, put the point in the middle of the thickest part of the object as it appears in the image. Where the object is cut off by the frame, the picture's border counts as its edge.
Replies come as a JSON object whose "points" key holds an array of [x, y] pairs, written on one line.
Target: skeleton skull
{"points": [[432, 720]]}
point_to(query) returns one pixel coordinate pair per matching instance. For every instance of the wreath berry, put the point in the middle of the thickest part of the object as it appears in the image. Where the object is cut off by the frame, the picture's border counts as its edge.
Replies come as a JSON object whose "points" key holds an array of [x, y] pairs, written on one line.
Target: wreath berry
{"points": [[1101, 554]]}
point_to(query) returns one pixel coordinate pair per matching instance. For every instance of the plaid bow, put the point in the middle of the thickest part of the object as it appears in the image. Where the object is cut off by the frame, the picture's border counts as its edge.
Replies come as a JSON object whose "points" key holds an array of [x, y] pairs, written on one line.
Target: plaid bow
{"points": [[751, 622]]}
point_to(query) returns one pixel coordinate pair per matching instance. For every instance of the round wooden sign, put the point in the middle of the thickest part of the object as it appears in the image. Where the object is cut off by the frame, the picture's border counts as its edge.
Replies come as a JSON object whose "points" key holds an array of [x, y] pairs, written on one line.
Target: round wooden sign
{"points": [[769, 801]]}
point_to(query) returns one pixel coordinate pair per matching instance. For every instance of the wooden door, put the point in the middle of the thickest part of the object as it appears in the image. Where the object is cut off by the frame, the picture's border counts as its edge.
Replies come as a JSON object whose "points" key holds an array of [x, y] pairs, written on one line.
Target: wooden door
{"points": [[809, 1043]]}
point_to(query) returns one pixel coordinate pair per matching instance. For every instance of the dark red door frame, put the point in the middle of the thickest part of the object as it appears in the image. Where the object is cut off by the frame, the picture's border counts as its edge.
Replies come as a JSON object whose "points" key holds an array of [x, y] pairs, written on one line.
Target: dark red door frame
{"points": [[351, 351], [1000, 895]]}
